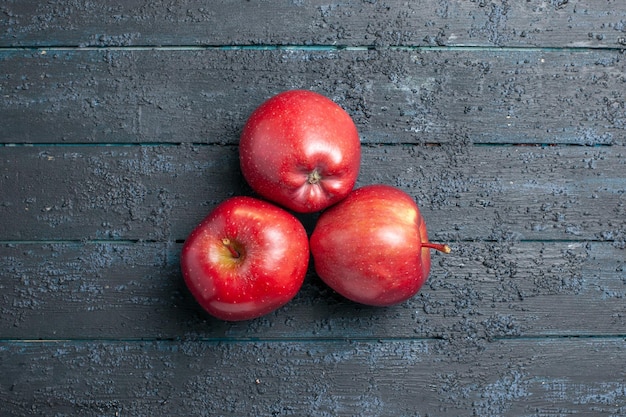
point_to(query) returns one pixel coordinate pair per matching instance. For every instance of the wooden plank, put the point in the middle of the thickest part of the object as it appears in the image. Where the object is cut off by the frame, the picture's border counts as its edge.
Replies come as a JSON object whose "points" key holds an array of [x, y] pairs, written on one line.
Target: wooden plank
{"points": [[119, 192], [394, 96], [161, 192], [494, 193], [350, 378], [482, 291], [581, 23]]}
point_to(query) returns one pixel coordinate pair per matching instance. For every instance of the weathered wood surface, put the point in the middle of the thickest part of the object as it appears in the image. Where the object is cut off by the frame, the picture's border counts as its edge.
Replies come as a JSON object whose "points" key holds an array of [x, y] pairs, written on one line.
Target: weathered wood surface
{"points": [[505, 120], [485, 291], [526, 23], [466, 192], [346, 378], [475, 95]]}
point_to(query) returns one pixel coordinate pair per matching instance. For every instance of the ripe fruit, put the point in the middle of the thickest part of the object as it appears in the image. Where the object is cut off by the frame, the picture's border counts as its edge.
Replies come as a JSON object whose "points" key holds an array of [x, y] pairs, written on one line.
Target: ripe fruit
{"points": [[300, 150], [245, 259], [372, 247]]}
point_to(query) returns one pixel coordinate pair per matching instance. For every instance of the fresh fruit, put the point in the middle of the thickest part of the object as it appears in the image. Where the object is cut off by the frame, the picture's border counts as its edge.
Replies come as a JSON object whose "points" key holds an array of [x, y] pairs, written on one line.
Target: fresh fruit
{"points": [[300, 150], [245, 259], [372, 247]]}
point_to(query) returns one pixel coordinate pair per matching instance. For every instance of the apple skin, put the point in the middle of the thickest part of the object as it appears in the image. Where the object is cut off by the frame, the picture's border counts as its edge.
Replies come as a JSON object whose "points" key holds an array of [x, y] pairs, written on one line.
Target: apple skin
{"points": [[372, 247], [247, 258], [300, 150]]}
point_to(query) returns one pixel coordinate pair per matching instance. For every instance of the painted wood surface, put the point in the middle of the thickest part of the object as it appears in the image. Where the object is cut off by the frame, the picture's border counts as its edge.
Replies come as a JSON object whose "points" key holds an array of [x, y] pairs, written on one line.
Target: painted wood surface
{"points": [[487, 290], [466, 193], [325, 378], [407, 96], [505, 121], [526, 23]]}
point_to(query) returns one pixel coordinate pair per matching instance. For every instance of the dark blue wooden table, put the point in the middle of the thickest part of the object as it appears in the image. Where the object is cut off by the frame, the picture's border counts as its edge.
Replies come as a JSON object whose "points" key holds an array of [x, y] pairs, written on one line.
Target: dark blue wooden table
{"points": [[504, 120]]}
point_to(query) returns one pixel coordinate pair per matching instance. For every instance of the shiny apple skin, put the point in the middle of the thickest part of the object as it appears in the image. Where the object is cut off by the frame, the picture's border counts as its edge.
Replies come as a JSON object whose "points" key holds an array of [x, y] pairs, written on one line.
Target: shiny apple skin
{"points": [[293, 137], [274, 255], [368, 247]]}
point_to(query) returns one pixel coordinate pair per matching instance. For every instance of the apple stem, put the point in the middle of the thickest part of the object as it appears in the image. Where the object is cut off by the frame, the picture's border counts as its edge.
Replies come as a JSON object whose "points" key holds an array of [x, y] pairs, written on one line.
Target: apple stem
{"points": [[226, 242], [437, 246], [314, 177]]}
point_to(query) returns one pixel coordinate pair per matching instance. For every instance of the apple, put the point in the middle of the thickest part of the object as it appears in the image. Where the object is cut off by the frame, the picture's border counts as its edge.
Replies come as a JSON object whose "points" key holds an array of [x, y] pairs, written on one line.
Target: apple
{"points": [[372, 247], [300, 150], [247, 258]]}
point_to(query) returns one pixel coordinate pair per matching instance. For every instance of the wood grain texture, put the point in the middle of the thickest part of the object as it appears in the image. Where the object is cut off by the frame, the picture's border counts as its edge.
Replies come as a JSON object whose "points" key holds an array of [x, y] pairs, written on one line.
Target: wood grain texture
{"points": [[481, 292], [466, 192], [394, 96], [505, 120], [532, 23], [351, 378]]}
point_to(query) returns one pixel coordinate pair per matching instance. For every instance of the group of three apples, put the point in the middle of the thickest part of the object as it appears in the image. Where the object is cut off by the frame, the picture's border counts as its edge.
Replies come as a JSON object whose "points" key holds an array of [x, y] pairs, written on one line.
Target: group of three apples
{"points": [[300, 152]]}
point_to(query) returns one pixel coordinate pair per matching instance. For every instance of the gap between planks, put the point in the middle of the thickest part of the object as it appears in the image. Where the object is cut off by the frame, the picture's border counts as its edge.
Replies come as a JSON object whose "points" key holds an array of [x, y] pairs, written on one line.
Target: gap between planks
{"points": [[43, 49], [246, 340], [181, 241], [235, 145]]}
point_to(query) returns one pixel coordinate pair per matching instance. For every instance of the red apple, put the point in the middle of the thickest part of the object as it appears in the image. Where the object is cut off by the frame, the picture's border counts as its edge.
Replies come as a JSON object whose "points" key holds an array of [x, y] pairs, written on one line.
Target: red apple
{"points": [[245, 259], [372, 247], [300, 150]]}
